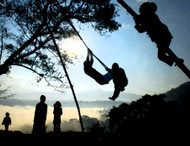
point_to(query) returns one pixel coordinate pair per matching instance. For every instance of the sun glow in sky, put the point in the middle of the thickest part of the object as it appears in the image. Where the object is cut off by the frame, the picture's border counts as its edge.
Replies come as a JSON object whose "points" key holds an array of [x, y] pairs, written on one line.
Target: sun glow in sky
{"points": [[73, 47]]}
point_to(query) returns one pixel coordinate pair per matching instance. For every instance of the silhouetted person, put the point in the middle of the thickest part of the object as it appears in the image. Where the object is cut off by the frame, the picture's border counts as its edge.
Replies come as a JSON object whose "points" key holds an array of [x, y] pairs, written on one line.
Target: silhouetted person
{"points": [[40, 117], [57, 117], [119, 79], [89, 70], [149, 22], [6, 121]]}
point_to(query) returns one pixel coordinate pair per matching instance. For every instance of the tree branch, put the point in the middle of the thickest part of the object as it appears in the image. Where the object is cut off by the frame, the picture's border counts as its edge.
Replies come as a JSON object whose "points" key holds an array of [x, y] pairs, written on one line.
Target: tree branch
{"points": [[41, 44], [43, 76]]}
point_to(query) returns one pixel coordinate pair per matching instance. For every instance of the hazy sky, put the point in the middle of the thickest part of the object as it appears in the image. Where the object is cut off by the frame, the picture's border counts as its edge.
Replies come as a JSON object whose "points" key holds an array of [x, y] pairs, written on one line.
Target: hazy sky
{"points": [[22, 118], [134, 52]]}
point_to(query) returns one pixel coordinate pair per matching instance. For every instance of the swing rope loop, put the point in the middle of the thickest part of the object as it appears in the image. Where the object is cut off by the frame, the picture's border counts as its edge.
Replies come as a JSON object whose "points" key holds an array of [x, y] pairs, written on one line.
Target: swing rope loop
{"points": [[73, 27]]}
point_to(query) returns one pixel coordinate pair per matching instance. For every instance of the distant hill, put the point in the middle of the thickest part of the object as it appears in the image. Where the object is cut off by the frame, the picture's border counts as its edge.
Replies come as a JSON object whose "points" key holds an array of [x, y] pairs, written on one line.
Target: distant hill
{"points": [[96, 98], [88, 95], [180, 94], [83, 104]]}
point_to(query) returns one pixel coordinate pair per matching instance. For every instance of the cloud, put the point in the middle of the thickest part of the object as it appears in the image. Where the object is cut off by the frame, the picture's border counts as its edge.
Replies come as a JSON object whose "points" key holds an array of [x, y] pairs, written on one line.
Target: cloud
{"points": [[103, 114], [127, 26], [26, 128], [22, 118], [19, 116], [142, 0], [65, 104], [74, 124], [98, 94], [70, 125]]}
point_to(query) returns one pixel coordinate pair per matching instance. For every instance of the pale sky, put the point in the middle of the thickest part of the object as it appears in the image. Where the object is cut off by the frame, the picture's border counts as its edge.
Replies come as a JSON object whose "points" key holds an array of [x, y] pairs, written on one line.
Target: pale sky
{"points": [[134, 52]]}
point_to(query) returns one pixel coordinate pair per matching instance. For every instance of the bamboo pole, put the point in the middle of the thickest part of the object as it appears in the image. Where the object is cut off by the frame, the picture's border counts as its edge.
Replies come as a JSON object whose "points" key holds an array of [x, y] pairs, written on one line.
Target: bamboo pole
{"points": [[68, 78]]}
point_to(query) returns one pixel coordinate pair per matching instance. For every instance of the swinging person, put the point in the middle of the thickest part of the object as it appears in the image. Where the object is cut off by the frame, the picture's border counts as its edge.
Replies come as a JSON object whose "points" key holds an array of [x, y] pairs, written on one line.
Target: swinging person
{"points": [[116, 73], [119, 79], [89, 70], [148, 21]]}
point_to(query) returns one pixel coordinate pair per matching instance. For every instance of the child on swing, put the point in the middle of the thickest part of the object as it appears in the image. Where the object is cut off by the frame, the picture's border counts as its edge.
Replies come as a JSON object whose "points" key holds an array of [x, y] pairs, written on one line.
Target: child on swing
{"points": [[116, 73], [148, 21], [89, 70], [119, 79]]}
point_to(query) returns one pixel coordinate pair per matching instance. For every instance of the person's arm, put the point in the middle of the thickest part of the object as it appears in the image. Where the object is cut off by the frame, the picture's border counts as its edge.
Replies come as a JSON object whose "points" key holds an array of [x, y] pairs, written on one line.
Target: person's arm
{"points": [[139, 28], [108, 69], [3, 121], [138, 25]]}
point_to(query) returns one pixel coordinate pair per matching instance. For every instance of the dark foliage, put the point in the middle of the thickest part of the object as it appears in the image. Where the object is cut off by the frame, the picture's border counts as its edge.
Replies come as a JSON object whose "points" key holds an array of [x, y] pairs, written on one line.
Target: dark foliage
{"points": [[150, 114], [26, 26]]}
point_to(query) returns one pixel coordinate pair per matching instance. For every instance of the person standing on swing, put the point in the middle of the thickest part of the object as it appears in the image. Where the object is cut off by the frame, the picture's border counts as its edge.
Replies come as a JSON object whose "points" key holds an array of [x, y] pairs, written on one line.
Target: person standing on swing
{"points": [[119, 79], [148, 21]]}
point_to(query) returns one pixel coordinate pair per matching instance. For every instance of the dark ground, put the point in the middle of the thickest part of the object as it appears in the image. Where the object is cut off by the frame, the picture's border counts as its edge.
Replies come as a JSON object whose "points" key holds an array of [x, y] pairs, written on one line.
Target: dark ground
{"points": [[72, 138]]}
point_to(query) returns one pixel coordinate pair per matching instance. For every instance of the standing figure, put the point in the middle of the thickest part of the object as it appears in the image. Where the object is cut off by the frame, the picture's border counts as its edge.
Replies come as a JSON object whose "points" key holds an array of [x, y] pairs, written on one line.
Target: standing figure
{"points": [[149, 22], [57, 117], [40, 117], [6, 121]]}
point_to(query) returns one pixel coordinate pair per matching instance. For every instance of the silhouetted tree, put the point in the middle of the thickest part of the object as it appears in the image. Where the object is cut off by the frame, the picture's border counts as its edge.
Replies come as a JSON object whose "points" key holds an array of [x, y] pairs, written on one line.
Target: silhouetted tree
{"points": [[147, 113], [4, 92], [96, 128], [28, 25]]}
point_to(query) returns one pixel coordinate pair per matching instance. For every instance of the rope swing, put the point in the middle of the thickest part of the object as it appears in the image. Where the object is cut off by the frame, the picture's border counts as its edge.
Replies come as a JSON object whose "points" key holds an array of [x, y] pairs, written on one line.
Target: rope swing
{"points": [[88, 69], [88, 49], [116, 73], [68, 78]]}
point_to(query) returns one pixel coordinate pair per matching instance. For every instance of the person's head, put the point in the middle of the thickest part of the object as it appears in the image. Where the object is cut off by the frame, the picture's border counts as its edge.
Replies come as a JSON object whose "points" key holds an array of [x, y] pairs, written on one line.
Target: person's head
{"points": [[42, 98], [57, 104], [7, 114], [115, 66], [147, 8]]}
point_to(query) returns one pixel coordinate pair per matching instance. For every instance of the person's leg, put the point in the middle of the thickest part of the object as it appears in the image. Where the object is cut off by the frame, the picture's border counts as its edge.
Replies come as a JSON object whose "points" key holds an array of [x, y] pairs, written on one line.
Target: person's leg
{"points": [[163, 47], [116, 93], [98, 77], [174, 57], [164, 57], [6, 127]]}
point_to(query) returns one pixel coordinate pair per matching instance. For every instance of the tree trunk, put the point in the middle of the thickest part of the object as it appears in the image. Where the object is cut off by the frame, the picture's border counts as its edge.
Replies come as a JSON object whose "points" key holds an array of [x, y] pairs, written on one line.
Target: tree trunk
{"points": [[68, 78]]}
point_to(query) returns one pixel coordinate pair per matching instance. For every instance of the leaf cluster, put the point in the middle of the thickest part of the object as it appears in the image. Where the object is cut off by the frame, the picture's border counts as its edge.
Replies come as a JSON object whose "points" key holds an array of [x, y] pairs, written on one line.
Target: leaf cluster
{"points": [[29, 23]]}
